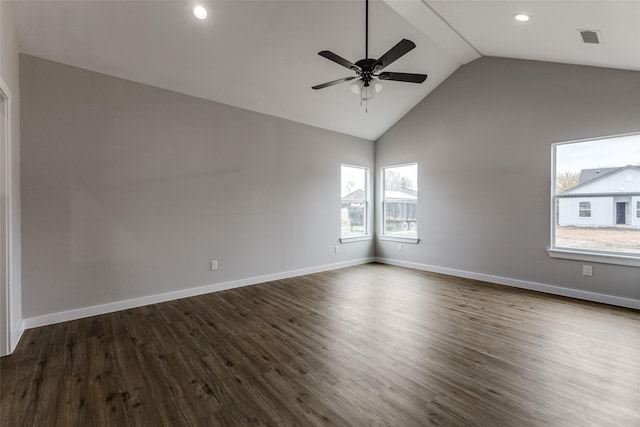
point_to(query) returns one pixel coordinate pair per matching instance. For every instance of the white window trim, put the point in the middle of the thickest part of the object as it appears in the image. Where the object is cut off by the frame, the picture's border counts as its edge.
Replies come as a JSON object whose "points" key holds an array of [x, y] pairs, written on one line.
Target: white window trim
{"points": [[577, 254], [598, 257], [348, 238], [358, 238], [391, 237], [399, 239]]}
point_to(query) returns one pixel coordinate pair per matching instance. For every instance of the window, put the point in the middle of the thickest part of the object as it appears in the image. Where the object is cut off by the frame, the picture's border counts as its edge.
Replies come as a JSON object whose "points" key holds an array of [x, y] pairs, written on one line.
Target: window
{"points": [[584, 210], [596, 186], [399, 201], [354, 195]]}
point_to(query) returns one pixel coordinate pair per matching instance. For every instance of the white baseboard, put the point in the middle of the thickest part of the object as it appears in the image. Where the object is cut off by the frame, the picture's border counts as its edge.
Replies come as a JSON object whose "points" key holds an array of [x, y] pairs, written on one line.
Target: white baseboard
{"points": [[48, 319], [523, 284], [64, 316], [16, 334]]}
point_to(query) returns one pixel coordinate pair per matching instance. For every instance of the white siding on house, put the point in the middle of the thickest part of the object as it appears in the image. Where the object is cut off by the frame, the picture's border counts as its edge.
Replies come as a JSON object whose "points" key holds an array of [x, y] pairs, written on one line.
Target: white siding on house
{"points": [[623, 181], [602, 212], [607, 192]]}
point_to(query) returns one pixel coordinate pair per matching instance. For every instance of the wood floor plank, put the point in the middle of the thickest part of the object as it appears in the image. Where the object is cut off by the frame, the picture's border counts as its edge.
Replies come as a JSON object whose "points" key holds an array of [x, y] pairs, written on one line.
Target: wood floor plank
{"points": [[371, 345]]}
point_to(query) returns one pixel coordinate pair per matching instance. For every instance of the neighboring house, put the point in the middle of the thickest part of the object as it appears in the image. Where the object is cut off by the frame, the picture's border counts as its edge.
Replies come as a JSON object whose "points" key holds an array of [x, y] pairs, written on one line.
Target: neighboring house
{"points": [[400, 209], [604, 197], [354, 203]]}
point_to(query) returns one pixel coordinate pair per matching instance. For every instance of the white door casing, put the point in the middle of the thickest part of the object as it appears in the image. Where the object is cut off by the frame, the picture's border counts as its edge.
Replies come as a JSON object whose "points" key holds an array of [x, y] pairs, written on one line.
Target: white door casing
{"points": [[6, 328]]}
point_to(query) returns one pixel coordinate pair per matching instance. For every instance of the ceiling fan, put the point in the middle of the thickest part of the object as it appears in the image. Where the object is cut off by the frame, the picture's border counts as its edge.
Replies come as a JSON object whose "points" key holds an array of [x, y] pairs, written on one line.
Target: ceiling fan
{"points": [[369, 71]]}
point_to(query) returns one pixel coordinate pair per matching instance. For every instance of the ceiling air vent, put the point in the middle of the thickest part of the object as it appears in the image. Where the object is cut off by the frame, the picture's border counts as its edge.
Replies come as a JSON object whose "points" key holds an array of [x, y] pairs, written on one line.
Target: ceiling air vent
{"points": [[591, 36]]}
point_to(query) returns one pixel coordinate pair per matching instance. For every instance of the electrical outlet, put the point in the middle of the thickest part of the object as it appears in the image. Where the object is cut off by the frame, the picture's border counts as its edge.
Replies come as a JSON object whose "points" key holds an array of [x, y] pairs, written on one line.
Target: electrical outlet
{"points": [[337, 249], [214, 264], [587, 270]]}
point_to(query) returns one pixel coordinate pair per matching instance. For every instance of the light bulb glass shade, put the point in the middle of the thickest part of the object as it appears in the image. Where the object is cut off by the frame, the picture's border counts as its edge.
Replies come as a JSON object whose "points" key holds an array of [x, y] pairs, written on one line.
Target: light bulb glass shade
{"points": [[356, 87], [377, 85]]}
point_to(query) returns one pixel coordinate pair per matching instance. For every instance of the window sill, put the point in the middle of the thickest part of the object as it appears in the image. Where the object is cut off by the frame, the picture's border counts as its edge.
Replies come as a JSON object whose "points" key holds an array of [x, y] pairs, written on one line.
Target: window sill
{"points": [[351, 239], [602, 258], [400, 239]]}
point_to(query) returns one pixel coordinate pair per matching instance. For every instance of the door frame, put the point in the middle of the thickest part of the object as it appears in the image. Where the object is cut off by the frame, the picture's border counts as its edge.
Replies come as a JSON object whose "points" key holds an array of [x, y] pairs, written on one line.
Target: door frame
{"points": [[624, 212], [6, 326]]}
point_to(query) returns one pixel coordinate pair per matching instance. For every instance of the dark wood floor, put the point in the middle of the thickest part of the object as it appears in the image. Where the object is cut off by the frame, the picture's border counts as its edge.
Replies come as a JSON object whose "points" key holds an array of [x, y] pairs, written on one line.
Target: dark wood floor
{"points": [[363, 346]]}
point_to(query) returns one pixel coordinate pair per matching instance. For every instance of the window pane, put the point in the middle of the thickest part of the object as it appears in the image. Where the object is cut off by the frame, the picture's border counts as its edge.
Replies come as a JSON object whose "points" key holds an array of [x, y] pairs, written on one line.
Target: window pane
{"points": [[597, 187], [585, 210], [354, 200], [400, 200]]}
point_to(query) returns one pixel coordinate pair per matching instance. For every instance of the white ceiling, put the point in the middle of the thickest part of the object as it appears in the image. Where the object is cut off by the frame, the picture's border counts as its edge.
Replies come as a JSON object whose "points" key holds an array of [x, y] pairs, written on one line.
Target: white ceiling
{"points": [[551, 33], [261, 55]]}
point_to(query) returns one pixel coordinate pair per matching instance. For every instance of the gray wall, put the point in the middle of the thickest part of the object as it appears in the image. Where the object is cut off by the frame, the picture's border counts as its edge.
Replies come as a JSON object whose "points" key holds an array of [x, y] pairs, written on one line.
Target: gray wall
{"points": [[9, 71], [483, 144], [130, 190]]}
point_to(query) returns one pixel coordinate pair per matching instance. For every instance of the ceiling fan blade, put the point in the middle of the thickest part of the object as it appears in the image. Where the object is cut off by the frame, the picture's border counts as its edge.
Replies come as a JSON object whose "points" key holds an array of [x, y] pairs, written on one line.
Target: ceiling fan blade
{"points": [[338, 60], [403, 77], [335, 82], [394, 53]]}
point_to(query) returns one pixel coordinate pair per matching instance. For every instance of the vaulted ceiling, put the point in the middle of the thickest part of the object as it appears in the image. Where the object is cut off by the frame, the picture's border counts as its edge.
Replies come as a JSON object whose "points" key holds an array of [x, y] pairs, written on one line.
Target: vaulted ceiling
{"points": [[262, 55]]}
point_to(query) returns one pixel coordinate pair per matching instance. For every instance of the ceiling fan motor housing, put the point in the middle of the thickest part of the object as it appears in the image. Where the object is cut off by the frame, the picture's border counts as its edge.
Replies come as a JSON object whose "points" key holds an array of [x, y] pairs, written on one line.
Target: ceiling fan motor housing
{"points": [[367, 68]]}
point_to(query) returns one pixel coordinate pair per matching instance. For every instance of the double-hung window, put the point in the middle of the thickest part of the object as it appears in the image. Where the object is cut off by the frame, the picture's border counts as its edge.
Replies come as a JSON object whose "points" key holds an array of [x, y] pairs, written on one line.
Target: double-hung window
{"points": [[584, 210], [400, 201], [354, 214]]}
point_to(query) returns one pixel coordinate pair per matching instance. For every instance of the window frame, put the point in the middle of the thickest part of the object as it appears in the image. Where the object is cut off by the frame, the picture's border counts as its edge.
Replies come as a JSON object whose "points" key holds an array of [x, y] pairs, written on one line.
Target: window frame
{"points": [[577, 254], [583, 211], [366, 235], [383, 235]]}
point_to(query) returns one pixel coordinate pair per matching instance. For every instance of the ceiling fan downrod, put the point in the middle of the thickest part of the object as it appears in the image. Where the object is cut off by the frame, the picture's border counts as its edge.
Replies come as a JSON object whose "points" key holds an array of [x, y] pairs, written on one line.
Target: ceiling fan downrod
{"points": [[366, 29]]}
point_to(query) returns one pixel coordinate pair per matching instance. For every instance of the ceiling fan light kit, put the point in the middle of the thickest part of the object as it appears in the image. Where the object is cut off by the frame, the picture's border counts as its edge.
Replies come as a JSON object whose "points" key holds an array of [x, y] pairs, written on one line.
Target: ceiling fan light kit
{"points": [[367, 69], [375, 85]]}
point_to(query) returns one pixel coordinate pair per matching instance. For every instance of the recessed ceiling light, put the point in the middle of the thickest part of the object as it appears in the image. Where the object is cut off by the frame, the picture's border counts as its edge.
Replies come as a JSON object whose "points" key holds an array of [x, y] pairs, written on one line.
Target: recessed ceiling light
{"points": [[522, 17], [200, 12]]}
